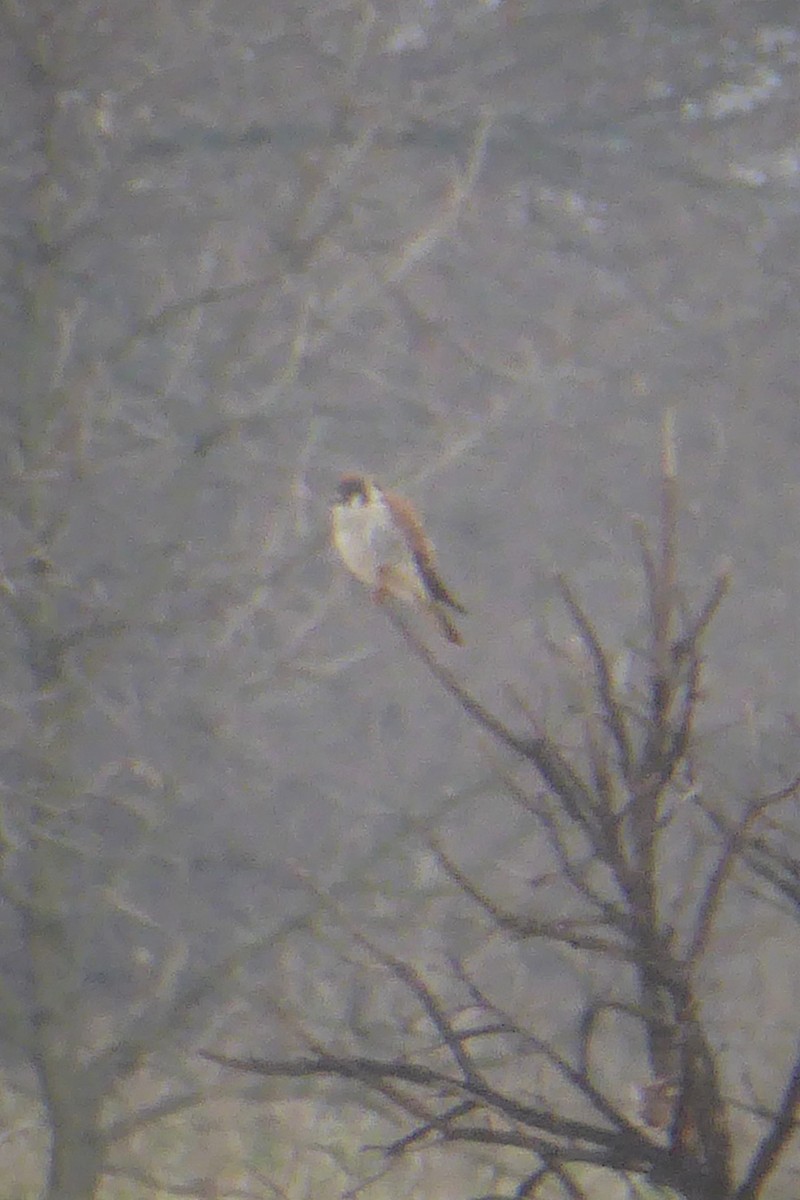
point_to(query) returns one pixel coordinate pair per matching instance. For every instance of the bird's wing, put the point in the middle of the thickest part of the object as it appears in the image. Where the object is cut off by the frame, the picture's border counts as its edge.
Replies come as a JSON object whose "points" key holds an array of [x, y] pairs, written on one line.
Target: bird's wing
{"points": [[387, 543], [421, 549]]}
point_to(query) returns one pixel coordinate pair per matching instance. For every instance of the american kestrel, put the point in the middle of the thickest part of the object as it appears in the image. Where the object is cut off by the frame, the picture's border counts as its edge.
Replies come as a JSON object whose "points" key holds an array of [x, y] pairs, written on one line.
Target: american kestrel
{"points": [[382, 543]]}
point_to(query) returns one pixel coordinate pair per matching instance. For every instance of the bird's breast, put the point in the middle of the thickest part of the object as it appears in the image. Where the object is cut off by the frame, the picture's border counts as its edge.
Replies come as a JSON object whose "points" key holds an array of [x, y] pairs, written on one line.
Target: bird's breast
{"points": [[354, 535]]}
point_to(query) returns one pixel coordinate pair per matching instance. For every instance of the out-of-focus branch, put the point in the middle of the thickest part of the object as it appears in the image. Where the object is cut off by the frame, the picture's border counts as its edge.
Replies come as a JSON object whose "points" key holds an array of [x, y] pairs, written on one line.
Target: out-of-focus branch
{"points": [[784, 1126]]}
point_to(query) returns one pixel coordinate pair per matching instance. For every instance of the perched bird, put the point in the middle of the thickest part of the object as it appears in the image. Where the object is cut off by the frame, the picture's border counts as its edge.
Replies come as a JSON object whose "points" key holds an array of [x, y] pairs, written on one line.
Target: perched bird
{"points": [[382, 543]]}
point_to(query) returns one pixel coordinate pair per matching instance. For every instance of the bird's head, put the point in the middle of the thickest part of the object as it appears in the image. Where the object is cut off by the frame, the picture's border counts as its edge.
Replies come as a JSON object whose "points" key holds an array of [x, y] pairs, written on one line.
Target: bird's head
{"points": [[354, 490]]}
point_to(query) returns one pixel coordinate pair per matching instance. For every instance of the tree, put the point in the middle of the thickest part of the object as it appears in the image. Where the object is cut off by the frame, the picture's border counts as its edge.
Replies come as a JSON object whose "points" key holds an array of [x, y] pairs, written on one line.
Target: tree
{"points": [[142, 602], [636, 873], [245, 247]]}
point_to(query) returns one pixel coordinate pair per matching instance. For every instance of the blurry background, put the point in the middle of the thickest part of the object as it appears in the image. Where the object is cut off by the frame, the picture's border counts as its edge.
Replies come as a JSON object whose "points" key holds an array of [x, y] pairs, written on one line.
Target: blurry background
{"points": [[473, 248]]}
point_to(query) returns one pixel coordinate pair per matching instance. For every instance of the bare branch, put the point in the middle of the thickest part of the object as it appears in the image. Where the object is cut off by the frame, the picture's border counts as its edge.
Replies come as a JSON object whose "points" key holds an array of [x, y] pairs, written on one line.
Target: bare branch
{"points": [[784, 1127], [631, 1146], [612, 710], [551, 764]]}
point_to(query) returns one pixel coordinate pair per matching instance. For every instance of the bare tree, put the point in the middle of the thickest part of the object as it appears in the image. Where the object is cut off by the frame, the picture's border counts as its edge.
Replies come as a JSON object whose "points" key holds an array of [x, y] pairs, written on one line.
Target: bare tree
{"points": [[243, 248], [635, 875], [138, 609]]}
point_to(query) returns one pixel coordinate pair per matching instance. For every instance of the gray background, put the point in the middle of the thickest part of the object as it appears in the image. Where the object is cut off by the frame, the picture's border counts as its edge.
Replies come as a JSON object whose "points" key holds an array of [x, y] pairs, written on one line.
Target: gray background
{"points": [[237, 262]]}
